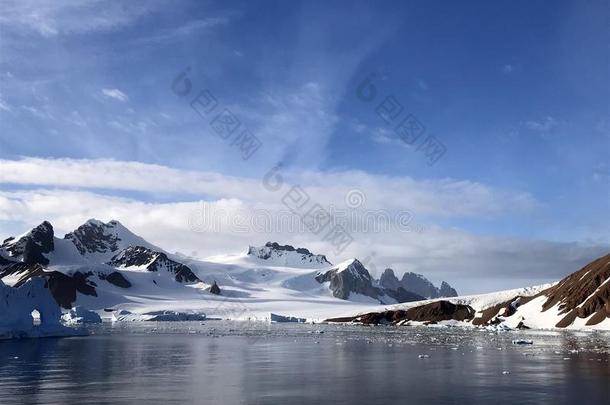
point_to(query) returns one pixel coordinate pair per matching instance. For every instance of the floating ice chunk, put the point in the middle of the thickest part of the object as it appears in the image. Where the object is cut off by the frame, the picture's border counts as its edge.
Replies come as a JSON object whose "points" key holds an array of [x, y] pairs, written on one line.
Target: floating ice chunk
{"points": [[78, 315], [523, 342], [281, 318]]}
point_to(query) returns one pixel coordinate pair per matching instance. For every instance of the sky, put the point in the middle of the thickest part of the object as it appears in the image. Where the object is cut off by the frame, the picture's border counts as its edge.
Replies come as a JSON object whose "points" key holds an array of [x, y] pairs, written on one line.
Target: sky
{"points": [[479, 133]]}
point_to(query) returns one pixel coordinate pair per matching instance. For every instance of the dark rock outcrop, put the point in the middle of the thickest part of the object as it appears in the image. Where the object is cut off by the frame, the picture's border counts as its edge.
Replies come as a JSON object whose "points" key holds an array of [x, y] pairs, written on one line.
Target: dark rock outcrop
{"points": [[95, 237], [354, 278], [388, 280], [214, 289], [419, 285], [116, 278], [31, 247], [430, 313], [63, 287], [503, 309], [153, 261], [393, 288], [4, 262], [401, 295], [446, 290]]}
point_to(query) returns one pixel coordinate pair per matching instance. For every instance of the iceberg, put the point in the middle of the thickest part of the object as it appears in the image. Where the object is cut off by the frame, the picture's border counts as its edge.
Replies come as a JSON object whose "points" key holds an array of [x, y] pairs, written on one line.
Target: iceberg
{"points": [[17, 306], [281, 318]]}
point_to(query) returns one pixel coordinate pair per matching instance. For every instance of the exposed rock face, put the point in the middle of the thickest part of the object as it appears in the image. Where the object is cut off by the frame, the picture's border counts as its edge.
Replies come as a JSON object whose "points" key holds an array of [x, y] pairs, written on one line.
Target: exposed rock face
{"points": [[389, 280], [116, 278], [393, 287], [104, 240], [446, 290], [63, 287], [350, 278], [5, 262], [287, 255], [30, 247], [139, 256], [504, 309], [214, 289], [420, 285], [401, 295], [20, 269], [582, 294], [433, 312], [94, 236]]}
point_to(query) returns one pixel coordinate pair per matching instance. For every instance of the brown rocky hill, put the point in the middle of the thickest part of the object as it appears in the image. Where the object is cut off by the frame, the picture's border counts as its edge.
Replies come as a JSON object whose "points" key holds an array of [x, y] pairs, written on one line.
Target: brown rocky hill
{"points": [[583, 294]]}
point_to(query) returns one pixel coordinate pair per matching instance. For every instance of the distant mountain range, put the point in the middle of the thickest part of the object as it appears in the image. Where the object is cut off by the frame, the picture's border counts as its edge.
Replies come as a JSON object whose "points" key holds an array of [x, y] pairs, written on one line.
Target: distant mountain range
{"points": [[107, 268], [100, 256], [417, 284]]}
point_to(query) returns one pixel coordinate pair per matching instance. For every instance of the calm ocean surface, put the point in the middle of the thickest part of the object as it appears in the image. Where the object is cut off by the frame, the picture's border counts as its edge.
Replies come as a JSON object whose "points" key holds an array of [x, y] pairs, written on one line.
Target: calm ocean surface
{"points": [[248, 363]]}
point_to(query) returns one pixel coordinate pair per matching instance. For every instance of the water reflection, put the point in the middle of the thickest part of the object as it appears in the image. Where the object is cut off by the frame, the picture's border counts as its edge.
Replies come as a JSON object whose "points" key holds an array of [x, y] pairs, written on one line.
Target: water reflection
{"points": [[219, 363]]}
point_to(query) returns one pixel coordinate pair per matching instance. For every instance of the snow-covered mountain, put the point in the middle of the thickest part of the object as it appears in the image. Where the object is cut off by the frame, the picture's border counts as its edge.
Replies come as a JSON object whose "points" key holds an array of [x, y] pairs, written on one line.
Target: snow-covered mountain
{"points": [[102, 241], [96, 258], [274, 254], [101, 265]]}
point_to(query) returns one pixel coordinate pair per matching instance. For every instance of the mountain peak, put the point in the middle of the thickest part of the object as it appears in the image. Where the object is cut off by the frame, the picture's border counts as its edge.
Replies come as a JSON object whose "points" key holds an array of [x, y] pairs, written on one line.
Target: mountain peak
{"points": [[389, 280], [287, 255], [94, 222], [105, 239], [32, 244]]}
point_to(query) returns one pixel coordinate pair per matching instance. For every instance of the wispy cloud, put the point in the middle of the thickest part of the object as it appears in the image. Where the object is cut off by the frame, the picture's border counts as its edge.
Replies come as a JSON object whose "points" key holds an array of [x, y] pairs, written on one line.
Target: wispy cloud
{"points": [[185, 30], [4, 106], [38, 112], [51, 18], [508, 69], [115, 94], [543, 125]]}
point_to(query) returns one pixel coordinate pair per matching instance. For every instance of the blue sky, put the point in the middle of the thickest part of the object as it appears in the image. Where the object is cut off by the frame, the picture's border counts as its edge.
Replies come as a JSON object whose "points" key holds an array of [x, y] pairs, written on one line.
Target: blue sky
{"points": [[518, 92]]}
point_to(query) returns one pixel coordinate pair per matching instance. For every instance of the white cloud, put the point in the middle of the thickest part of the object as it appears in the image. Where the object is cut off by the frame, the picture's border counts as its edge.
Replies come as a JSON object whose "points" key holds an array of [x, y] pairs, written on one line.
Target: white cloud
{"points": [[440, 197], [471, 262], [115, 94], [4, 106], [38, 112], [544, 125]]}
